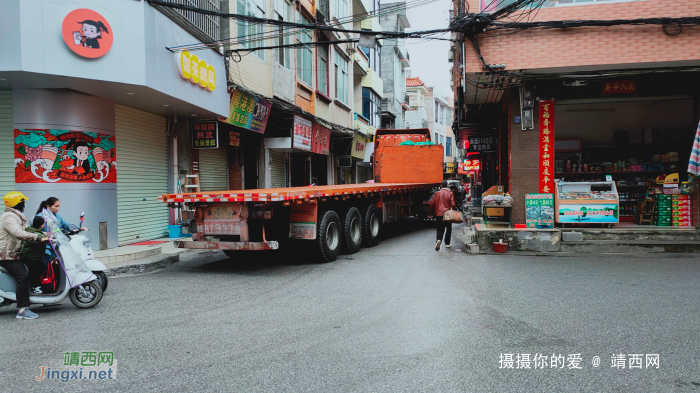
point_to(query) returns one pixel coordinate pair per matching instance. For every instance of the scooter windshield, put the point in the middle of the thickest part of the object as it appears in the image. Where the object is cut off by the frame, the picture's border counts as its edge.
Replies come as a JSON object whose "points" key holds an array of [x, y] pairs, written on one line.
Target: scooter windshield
{"points": [[76, 270]]}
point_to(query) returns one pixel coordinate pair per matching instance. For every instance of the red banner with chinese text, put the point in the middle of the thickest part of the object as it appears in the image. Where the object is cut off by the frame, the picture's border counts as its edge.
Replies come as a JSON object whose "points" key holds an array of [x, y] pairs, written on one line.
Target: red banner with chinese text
{"points": [[546, 156]]}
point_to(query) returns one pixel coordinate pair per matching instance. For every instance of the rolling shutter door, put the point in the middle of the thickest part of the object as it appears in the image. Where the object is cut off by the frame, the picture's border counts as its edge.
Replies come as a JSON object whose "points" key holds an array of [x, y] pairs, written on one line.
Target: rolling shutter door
{"points": [[213, 170], [142, 172], [278, 177], [7, 153]]}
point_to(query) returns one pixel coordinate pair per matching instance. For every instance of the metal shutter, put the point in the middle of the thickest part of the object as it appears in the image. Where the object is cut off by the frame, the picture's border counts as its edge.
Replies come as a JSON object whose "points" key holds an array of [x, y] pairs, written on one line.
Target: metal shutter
{"points": [[213, 169], [142, 175], [7, 145], [278, 178]]}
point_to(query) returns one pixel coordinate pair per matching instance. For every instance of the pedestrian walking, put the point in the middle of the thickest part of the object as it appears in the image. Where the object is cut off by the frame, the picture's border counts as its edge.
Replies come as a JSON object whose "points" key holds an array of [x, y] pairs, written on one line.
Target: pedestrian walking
{"points": [[442, 201]]}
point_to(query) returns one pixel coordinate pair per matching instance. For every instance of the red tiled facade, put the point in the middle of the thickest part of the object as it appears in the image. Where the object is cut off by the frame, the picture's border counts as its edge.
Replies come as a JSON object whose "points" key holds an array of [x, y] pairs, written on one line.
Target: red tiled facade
{"points": [[594, 47]]}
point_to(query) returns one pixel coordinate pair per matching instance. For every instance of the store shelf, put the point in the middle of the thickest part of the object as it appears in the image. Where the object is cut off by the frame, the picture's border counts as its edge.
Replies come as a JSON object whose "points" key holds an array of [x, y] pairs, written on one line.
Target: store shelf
{"points": [[630, 200], [633, 186]]}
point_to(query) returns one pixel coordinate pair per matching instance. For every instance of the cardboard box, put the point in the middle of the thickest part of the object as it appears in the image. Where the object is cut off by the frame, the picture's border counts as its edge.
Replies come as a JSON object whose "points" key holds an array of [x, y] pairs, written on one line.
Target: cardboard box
{"points": [[680, 197]]}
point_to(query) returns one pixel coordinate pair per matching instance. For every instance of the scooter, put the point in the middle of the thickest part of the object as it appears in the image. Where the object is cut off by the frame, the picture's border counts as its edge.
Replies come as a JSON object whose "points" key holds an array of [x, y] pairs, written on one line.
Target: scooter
{"points": [[83, 246], [74, 278]]}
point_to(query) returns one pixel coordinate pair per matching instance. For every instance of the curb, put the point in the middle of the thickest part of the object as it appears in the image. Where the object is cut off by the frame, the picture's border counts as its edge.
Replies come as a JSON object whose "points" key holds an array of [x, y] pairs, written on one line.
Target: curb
{"points": [[143, 265]]}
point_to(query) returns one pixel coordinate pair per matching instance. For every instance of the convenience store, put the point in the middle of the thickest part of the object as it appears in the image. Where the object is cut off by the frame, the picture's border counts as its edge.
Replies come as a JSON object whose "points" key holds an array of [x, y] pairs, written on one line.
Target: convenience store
{"points": [[621, 149]]}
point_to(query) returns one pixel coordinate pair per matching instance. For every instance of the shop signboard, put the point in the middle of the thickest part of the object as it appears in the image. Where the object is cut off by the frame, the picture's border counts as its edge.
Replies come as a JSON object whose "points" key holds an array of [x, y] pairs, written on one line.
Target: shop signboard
{"points": [[321, 139], [248, 112], [205, 134], [450, 167], [303, 131], [588, 213], [539, 210], [359, 144], [234, 138], [64, 156], [196, 71], [619, 87], [546, 142], [87, 33], [468, 166], [344, 162], [482, 144]]}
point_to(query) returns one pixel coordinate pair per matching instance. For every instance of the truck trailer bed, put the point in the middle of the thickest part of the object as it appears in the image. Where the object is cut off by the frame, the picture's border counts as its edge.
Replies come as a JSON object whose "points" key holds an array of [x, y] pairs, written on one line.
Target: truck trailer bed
{"points": [[292, 193]]}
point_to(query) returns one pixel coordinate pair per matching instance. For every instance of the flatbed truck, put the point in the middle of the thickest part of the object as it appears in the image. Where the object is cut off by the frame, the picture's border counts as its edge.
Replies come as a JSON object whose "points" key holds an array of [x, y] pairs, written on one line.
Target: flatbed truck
{"points": [[322, 219]]}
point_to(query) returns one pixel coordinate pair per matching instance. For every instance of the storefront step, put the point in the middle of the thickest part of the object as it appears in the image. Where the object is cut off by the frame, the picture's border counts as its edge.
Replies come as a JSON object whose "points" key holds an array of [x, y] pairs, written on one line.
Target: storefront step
{"points": [[643, 233], [631, 246]]}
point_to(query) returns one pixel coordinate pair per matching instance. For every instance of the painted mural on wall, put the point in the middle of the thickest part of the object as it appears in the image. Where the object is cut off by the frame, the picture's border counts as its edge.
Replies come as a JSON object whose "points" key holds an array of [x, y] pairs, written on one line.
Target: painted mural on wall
{"points": [[64, 156]]}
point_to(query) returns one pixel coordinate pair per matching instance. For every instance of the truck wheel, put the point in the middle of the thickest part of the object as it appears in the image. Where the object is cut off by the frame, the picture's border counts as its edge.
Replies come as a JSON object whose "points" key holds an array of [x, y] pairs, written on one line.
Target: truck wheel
{"points": [[370, 226], [352, 230], [328, 236]]}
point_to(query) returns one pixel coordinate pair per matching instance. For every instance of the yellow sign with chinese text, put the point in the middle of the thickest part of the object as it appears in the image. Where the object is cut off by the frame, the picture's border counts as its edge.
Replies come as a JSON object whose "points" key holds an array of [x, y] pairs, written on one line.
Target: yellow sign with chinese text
{"points": [[196, 71]]}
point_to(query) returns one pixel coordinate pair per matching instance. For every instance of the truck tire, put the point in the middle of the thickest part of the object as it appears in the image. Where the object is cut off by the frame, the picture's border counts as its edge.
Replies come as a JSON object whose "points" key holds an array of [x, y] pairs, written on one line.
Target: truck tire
{"points": [[352, 230], [328, 236], [371, 223]]}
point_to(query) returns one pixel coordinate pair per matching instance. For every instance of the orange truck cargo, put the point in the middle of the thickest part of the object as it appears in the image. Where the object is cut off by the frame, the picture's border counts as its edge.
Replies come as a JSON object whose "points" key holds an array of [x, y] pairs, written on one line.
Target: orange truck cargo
{"points": [[323, 219]]}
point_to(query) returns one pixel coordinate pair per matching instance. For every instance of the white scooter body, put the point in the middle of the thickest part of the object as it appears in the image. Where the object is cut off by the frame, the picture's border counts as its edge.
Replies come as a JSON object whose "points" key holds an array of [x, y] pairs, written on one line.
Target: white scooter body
{"points": [[81, 245]]}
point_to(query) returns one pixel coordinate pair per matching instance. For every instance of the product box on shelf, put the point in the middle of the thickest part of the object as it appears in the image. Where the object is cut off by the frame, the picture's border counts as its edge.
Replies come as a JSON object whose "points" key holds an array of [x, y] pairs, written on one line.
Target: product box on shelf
{"points": [[685, 223], [680, 197]]}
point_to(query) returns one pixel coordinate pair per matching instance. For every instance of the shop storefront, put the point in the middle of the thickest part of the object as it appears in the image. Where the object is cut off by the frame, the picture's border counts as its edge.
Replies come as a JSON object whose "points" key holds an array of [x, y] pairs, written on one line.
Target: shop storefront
{"points": [[245, 128], [79, 123], [614, 152], [299, 160]]}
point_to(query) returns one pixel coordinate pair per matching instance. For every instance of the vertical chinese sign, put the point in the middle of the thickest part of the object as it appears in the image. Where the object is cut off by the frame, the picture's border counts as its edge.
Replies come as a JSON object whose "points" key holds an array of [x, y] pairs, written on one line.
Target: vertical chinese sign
{"points": [[303, 130], [546, 156], [321, 139], [205, 134], [359, 143]]}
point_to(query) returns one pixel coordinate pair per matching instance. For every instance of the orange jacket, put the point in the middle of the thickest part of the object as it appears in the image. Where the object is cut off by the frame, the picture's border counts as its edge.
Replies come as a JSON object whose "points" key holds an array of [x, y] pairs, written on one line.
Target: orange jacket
{"points": [[443, 201]]}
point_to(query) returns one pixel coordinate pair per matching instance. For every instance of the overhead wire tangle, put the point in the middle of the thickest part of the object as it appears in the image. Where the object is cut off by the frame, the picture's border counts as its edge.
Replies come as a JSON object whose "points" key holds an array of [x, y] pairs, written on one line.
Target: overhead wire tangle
{"points": [[256, 37], [276, 22]]}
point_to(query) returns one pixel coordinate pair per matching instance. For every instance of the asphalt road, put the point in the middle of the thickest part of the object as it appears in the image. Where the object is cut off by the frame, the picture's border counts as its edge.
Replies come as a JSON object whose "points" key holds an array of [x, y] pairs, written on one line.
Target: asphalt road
{"points": [[399, 317]]}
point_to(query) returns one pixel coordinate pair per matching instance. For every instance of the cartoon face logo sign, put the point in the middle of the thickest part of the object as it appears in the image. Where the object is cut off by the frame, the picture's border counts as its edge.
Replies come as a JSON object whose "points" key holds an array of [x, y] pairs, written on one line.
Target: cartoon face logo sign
{"points": [[87, 33]]}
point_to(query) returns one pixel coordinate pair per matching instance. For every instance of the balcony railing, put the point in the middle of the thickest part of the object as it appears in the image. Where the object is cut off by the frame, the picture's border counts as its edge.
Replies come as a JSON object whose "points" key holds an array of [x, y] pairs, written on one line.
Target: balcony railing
{"points": [[386, 105], [209, 24]]}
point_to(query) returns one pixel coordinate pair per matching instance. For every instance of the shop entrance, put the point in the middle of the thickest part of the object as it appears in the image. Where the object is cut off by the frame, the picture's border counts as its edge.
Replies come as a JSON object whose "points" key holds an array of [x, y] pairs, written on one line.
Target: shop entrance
{"points": [[620, 156], [319, 170], [250, 166], [300, 169]]}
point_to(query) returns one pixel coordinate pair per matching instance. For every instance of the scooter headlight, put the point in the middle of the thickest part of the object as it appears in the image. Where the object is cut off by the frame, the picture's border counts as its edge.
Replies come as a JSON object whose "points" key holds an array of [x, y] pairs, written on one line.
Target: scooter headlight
{"points": [[87, 242]]}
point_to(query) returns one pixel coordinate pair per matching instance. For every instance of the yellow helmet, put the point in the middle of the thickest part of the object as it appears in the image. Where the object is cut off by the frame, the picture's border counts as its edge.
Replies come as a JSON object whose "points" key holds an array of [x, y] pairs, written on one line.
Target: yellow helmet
{"points": [[14, 198]]}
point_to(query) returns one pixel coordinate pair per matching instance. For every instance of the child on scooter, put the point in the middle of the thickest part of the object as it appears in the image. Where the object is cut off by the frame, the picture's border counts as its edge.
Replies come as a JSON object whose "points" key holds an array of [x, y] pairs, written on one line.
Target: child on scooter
{"points": [[33, 252]]}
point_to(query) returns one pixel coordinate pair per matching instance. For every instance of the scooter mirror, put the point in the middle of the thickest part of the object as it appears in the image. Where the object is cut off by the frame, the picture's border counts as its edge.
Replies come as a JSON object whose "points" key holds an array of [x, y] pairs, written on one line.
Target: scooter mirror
{"points": [[82, 215]]}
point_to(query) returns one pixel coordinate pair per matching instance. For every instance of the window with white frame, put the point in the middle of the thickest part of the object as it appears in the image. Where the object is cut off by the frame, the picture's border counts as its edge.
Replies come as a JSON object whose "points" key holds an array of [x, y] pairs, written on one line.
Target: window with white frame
{"points": [[437, 106], [304, 53], [371, 107], [251, 34], [283, 12], [322, 67], [448, 147], [341, 78], [340, 9]]}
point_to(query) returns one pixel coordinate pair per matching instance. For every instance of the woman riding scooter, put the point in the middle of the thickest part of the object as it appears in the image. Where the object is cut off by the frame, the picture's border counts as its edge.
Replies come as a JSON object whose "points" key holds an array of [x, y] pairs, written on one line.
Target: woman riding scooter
{"points": [[12, 234], [53, 205]]}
